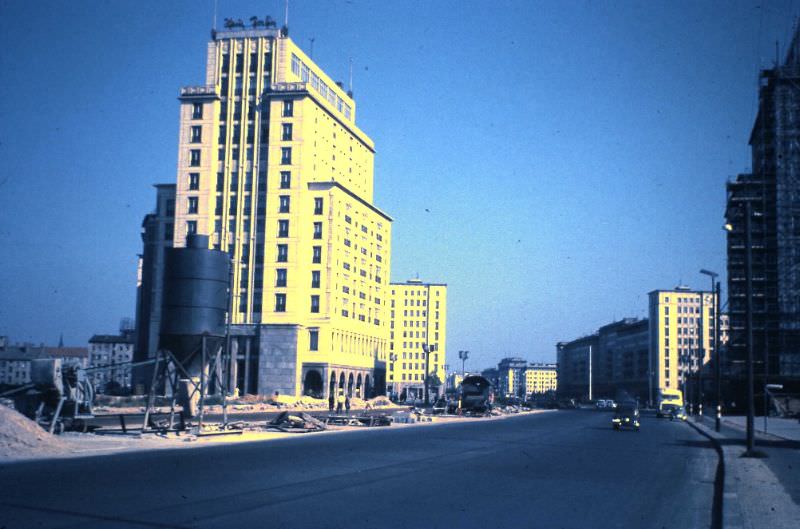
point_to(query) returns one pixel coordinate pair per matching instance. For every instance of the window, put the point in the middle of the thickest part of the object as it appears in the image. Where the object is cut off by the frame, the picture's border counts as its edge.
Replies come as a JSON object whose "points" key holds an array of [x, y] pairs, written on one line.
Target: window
{"points": [[168, 231], [284, 204], [196, 134], [314, 303], [318, 206], [170, 208], [286, 132], [313, 340], [197, 111], [315, 279], [288, 108], [317, 230], [283, 228], [194, 181], [280, 277], [280, 302], [283, 253], [193, 205], [239, 62], [317, 255], [286, 179], [286, 155], [191, 227], [194, 157]]}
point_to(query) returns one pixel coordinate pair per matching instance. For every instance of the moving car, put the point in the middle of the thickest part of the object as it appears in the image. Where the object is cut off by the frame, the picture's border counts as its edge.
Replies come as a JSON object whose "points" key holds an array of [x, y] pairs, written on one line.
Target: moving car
{"points": [[678, 412], [626, 416]]}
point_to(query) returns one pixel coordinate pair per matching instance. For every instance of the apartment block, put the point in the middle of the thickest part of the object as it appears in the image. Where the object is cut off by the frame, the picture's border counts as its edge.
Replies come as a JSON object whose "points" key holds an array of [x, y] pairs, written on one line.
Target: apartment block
{"points": [[272, 166], [417, 337]]}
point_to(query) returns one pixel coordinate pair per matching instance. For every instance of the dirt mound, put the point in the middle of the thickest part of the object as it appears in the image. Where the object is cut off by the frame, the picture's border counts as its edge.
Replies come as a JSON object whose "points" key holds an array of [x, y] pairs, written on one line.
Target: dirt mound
{"points": [[21, 437]]}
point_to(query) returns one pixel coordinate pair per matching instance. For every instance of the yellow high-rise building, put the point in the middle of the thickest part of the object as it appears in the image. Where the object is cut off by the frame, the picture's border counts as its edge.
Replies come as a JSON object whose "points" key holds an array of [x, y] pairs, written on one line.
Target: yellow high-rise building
{"points": [[681, 335], [273, 167], [418, 334]]}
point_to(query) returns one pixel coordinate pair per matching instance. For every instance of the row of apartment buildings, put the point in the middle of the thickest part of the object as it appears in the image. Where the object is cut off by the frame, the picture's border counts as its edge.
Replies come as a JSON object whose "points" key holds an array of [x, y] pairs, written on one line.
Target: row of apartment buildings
{"points": [[635, 358], [107, 358], [272, 166], [516, 377]]}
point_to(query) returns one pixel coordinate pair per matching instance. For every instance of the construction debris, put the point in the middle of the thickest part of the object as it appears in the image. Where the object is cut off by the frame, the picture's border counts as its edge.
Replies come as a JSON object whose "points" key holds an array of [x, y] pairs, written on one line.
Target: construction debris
{"points": [[296, 422]]}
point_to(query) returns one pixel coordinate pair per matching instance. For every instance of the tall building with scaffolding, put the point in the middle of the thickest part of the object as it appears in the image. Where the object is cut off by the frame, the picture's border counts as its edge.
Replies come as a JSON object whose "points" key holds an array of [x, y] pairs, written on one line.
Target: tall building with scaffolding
{"points": [[773, 191], [272, 166]]}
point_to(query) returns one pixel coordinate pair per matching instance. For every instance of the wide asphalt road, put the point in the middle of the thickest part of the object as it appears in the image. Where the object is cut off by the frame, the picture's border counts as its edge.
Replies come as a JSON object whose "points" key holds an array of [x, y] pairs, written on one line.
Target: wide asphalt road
{"points": [[562, 469]]}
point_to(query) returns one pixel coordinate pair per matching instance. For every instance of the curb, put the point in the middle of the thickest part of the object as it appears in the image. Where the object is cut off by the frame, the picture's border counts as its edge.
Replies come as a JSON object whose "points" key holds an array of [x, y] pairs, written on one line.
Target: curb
{"points": [[718, 505]]}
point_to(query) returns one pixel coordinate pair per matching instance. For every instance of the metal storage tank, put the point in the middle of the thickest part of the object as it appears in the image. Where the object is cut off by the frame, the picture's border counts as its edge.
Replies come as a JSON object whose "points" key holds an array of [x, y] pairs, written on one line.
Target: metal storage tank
{"points": [[195, 301]]}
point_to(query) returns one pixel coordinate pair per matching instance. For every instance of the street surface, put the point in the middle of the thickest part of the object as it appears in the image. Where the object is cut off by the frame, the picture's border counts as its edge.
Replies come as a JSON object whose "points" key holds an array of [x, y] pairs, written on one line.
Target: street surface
{"points": [[562, 469]]}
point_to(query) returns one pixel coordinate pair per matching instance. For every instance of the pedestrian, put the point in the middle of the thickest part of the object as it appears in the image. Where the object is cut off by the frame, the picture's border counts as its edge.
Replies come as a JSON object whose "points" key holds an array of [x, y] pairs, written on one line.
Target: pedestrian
{"points": [[331, 402], [339, 403], [347, 404]]}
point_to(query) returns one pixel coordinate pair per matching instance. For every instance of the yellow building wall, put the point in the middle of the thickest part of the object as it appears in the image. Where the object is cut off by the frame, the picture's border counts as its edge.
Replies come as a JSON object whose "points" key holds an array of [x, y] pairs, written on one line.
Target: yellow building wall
{"points": [[419, 316], [682, 319]]}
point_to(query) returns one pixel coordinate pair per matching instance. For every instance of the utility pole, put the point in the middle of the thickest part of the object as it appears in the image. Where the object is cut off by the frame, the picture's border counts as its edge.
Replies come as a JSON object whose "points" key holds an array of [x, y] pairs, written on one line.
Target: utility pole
{"points": [[718, 354], [590, 373]]}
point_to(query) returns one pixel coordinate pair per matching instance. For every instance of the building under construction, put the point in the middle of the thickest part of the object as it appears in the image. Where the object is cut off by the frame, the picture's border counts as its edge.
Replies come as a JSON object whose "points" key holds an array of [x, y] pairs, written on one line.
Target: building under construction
{"points": [[773, 194]]}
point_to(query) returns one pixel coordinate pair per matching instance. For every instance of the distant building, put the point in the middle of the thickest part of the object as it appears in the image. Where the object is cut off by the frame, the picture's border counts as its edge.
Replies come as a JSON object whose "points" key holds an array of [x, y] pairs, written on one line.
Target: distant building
{"points": [[418, 322], [492, 375], [15, 363], [541, 379], [573, 366], [681, 336], [511, 375], [773, 189], [110, 351], [157, 235], [15, 359]]}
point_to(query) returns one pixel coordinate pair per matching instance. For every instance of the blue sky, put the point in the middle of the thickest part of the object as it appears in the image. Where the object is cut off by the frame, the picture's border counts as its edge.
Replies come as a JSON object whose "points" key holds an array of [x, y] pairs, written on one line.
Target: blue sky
{"points": [[551, 161]]}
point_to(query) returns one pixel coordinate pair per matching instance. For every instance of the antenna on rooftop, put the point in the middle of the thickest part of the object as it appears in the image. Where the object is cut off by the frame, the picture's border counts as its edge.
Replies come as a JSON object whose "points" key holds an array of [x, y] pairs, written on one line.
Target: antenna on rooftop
{"points": [[214, 20], [286, 14], [350, 86]]}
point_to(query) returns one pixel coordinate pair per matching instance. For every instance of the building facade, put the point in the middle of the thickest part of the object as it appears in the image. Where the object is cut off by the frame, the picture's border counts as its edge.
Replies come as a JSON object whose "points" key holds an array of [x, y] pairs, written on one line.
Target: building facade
{"points": [[511, 377], [274, 168], [15, 360], [158, 232], [773, 190], [541, 379], [417, 338], [114, 352], [574, 374], [681, 336]]}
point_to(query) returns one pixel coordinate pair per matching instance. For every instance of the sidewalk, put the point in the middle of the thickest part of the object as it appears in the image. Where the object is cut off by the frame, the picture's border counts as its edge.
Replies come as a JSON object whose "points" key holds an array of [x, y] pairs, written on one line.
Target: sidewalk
{"points": [[754, 494], [784, 428]]}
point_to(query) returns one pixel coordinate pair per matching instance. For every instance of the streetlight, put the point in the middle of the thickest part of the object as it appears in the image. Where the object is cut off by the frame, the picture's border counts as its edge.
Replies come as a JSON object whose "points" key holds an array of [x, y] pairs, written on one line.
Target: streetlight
{"points": [[463, 355], [715, 300], [392, 359]]}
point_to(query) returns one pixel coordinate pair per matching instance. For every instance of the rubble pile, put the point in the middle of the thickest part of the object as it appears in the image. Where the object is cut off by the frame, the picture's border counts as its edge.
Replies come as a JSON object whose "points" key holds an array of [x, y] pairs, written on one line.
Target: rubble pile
{"points": [[296, 422], [21, 437]]}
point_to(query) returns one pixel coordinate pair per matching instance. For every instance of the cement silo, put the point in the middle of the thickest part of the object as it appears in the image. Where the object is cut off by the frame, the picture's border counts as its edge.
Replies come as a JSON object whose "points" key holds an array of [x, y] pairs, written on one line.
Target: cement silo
{"points": [[195, 304]]}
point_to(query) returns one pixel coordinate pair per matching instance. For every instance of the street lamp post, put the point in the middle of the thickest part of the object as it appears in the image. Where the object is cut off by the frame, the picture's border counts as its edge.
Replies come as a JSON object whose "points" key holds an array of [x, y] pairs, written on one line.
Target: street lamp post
{"points": [[715, 301], [392, 359], [463, 355]]}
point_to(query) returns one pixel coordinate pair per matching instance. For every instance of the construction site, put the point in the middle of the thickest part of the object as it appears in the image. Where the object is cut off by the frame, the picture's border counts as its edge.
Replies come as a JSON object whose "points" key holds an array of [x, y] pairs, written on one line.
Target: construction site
{"points": [[763, 243]]}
